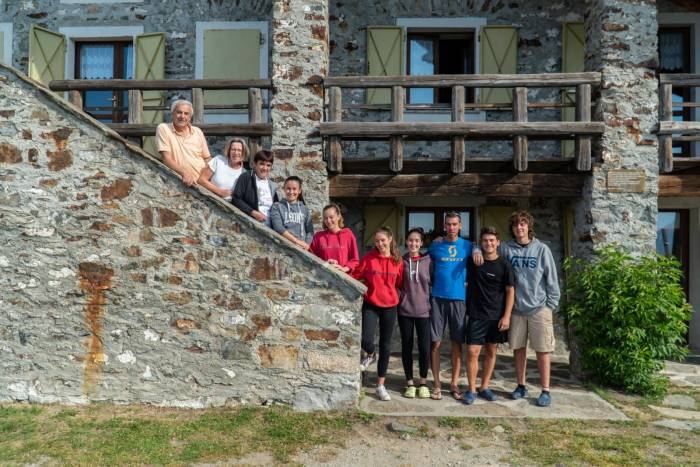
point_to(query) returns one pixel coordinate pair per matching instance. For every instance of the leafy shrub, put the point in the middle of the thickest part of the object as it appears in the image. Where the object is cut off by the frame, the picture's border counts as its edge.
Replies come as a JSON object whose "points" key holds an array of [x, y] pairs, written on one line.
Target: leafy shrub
{"points": [[629, 313]]}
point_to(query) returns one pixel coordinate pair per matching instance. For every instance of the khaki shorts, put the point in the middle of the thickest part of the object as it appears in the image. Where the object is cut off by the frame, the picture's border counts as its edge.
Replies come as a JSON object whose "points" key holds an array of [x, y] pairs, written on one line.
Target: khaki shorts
{"points": [[539, 328]]}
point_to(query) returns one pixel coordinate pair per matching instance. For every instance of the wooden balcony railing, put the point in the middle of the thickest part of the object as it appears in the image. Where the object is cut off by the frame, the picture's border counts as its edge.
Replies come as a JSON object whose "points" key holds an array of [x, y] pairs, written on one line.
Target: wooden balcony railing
{"points": [[671, 131], [255, 128], [458, 131]]}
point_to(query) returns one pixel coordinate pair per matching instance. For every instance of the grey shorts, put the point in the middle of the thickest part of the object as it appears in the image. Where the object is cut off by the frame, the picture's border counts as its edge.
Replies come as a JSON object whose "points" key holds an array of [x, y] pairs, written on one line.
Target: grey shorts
{"points": [[445, 312]]}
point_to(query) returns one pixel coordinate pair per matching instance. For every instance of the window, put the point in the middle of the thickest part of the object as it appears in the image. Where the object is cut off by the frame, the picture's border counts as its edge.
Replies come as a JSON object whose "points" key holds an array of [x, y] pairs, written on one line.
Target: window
{"points": [[674, 57], [439, 53], [431, 220], [105, 60]]}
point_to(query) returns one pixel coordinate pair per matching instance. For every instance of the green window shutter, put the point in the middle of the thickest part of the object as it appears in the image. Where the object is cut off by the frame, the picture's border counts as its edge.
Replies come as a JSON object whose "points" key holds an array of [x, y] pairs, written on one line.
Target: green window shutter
{"points": [[230, 54], [379, 215], [384, 58], [497, 216], [572, 61], [47, 54], [150, 64], [499, 55]]}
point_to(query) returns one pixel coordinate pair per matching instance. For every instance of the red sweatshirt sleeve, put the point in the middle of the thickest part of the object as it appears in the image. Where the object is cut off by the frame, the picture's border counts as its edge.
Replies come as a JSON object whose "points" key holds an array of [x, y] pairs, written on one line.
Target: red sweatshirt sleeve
{"points": [[399, 276], [359, 271], [353, 255], [314, 246]]}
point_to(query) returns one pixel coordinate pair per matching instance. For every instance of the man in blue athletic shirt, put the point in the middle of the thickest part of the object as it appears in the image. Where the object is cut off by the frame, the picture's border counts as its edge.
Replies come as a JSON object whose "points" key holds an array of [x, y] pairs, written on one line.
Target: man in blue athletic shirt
{"points": [[449, 257]]}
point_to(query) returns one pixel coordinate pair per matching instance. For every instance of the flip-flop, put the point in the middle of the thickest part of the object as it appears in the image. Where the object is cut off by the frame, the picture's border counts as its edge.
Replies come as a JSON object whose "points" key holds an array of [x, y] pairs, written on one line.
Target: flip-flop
{"points": [[456, 394], [436, 395]]}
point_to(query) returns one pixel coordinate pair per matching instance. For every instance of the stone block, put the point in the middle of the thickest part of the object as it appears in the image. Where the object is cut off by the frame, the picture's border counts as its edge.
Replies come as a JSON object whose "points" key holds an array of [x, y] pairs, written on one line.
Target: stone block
{"points": [[278, 356]]}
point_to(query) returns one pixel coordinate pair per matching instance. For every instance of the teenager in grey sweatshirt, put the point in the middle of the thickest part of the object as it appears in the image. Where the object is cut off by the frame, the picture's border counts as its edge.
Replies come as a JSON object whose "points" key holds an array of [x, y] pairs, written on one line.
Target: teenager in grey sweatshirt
{"points": [[290, 217]]}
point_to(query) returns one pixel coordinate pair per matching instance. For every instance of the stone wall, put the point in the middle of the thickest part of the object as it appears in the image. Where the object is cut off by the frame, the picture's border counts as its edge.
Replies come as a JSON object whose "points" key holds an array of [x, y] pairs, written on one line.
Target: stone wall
{"points": [[119, 284]]}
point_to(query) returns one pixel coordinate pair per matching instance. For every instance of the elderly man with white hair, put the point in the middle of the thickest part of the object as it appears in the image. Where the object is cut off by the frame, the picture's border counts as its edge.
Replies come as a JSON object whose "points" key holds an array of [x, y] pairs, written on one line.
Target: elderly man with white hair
{"points": [[183, 146]]}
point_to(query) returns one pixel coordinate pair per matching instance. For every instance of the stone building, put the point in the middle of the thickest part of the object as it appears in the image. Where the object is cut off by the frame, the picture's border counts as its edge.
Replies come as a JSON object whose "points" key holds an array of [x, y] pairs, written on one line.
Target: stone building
{"points": [[628, 194]]}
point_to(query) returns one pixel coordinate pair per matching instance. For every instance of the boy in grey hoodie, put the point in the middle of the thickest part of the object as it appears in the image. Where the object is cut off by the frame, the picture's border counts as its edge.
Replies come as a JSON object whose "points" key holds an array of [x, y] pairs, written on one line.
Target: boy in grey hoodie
{"points": [[536, 297], [290, 217]]}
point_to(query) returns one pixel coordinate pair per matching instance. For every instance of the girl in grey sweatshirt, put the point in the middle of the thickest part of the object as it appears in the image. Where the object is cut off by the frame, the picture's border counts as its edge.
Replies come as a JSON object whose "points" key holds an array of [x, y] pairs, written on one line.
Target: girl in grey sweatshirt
{"points": [[290, 217], [414, 313]]}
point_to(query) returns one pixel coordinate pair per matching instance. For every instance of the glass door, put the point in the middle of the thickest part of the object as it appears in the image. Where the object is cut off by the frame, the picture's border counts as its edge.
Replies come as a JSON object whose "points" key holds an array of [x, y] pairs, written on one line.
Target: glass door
{"points": [[672, 238]]}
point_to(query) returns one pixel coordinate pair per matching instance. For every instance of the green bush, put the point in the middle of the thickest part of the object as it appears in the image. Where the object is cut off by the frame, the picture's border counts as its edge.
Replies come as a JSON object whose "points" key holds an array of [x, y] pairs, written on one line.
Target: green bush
{"points": [[628, 313]]}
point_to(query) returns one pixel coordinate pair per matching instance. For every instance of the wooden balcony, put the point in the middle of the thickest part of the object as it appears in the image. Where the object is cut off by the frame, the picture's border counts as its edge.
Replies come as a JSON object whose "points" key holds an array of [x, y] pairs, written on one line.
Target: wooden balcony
{"points": [[462, 173], [255, 129], [670, 131]]}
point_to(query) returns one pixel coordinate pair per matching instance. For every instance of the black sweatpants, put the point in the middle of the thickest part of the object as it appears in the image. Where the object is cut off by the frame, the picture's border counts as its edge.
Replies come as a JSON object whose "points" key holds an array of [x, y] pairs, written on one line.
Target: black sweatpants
{"points": [[422, 327], [386, 317]]}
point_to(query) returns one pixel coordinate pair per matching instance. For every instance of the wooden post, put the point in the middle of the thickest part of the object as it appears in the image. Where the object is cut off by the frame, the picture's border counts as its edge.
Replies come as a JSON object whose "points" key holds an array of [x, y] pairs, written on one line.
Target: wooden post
{"points": [[197, 105], [520, 142], [582, 151], [76, 98], [135, 106], [458, 162], [666, 141], [335, 112], [398, 94], [254, 116]]}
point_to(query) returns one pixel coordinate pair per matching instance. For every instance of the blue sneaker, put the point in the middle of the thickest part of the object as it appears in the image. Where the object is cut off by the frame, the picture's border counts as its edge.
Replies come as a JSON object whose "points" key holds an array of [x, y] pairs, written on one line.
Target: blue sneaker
{"points": [[545, 399], [468, 398], [519, 392], [488, 395]]}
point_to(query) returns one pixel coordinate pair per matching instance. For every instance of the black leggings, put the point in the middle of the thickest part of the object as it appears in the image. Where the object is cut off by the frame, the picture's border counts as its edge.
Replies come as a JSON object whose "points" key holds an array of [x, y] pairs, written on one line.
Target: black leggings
{"points": [[386, 317], [422, 326]]}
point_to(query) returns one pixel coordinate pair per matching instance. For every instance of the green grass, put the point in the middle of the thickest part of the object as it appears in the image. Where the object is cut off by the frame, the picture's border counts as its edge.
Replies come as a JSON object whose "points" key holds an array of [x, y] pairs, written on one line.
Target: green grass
{"points": [[146, 435]]}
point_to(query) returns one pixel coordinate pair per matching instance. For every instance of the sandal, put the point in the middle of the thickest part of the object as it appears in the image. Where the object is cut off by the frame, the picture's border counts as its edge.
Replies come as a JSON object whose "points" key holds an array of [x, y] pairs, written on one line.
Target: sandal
{"points": [[456, 393], [410, 392], [436, 394]]}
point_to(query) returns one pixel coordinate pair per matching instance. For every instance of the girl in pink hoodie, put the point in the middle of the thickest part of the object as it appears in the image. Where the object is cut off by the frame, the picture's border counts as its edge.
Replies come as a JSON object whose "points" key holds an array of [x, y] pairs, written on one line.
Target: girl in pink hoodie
{"points": [[335, 244]]}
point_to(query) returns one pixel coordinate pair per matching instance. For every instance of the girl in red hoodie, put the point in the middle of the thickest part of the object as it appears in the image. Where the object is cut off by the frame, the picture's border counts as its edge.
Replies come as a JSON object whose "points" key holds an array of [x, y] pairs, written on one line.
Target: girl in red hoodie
{"points": [[335, 244], [381, 270]]}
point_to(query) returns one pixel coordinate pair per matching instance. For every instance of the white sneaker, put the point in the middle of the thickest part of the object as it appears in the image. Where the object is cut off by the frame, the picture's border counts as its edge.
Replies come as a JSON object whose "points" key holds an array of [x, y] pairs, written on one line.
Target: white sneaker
{"points": [[366, 362], [383, 394]]}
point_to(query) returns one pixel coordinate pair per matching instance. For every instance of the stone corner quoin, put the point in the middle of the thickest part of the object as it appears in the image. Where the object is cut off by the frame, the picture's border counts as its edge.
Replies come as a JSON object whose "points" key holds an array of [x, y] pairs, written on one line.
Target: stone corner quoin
{"points": [[119, 284]]}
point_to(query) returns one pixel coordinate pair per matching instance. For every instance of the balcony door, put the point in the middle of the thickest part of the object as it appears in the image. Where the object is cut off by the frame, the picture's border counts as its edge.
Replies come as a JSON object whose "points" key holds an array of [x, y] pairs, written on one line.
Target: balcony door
{"points": [[672, 238], [105, 60]]}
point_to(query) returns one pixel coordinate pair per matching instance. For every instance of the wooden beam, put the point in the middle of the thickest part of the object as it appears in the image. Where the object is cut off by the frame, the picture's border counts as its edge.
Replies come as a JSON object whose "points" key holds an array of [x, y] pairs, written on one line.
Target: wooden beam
{"points": [[255, 104], [197, 106], [666, 141], [582, 148], [688, 128], [458, 154], [433, 130], [76, 98], [396, 149], [135, 106], [520, 141], [522, 185], [442, 166], [679, 185], [335, 113], [209, 129], [680, 80], [471, 81], [156, 84]]}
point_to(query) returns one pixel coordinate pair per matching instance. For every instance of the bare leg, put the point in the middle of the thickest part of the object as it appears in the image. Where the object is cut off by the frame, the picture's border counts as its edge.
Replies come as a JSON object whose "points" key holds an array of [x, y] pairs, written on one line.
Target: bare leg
{"points": [[544, 365], [520, 356], [380, 381], [472, 365], [489, 364], [456, 362], [435, 361]]}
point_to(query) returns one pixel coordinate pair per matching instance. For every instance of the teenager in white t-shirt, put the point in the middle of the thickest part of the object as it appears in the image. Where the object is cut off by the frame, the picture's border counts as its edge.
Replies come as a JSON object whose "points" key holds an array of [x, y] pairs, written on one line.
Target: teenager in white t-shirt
{"points": [[255, 192], [223, 171]]}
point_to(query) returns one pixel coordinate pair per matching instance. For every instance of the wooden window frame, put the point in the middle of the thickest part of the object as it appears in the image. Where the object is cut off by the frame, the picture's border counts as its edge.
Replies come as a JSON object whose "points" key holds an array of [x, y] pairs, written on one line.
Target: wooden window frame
{"points": [[684, 228], [120, 113], [434, 35]]}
